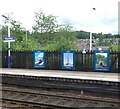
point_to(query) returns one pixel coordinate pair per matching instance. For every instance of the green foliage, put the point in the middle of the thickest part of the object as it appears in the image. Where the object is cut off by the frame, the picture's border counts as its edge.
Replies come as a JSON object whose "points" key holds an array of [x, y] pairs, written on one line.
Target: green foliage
{"points": [[17, 30], [63, 39], [20, 34], [66, 40], [115, 47], [101, 58], [60, 41], [45, 23], [101, 43], [31, 44], [51, 36], [86, 35], [48, 35], [82, 35]]}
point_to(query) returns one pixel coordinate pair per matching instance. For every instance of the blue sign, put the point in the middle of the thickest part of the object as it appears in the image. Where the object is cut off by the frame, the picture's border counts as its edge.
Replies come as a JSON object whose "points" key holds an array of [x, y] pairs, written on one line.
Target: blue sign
{"points": [[101, 60], [39, 59], [68, 60], [8, 39]]}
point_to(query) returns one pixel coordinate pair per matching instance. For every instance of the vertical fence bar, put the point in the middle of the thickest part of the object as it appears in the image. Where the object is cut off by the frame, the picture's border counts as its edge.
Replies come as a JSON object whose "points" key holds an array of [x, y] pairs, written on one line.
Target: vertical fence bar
{"points": [[53, 60], [31, 59], [0, 58], [60, 59], [91, 61], [23, 59], [48, 56], [56, 60], [119, 62], [88, 60], [80, 60], [76, 61], [46, 60], [85, 61], [113, 61], [111, 58], [4, 59]]}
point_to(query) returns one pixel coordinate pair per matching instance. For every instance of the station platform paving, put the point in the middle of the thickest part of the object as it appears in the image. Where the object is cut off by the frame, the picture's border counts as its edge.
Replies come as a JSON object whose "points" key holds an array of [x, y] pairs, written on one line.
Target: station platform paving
{"points": [[101, 76]]}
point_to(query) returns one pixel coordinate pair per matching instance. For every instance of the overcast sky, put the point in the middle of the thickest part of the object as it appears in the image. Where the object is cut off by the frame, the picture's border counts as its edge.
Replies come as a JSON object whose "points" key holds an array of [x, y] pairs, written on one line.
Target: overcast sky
{"points": [[77, 12]]}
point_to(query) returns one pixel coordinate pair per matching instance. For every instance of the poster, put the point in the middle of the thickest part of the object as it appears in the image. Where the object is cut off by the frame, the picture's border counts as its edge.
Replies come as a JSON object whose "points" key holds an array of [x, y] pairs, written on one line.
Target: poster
{"points": [[68, 60], [101, 60], [39, 59]]}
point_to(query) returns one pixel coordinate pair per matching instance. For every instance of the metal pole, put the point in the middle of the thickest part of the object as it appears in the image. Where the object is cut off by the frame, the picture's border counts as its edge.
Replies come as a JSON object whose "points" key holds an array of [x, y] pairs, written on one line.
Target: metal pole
{"points": [[90, 41], [83, 53], [9, 58], [91, 35]]}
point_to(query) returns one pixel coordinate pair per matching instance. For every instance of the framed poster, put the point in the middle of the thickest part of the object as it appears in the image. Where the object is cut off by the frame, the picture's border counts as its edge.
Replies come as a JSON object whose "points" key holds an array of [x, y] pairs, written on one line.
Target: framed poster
{"points": [[101, 60], [68, 60], [39, 59]]}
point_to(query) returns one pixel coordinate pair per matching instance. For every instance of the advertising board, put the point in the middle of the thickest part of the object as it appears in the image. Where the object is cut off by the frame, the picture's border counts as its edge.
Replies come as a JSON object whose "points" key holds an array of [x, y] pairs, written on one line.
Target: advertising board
{"points": [[68, 60], [101, 60], [39, 59]]}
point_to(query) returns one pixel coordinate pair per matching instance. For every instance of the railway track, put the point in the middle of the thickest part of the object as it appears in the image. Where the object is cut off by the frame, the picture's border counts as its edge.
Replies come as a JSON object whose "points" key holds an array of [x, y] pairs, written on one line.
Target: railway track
{"points": [[58, 93], [93, 88], [29, 97]]}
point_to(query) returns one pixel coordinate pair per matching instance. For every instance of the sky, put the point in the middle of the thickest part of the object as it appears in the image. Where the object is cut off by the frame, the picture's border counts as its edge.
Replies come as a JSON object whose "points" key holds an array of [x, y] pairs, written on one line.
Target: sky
{"points": [[78, 13]]}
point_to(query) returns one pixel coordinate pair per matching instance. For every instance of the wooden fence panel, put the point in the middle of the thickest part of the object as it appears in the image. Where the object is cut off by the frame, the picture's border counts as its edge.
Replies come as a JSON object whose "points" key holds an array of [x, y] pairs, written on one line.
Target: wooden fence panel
{"points": [[83, 62]]}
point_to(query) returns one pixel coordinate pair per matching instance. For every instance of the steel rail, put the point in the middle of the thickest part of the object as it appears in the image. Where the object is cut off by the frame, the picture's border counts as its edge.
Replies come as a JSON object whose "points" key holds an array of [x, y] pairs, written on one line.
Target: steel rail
{"points": [[83, 97]]}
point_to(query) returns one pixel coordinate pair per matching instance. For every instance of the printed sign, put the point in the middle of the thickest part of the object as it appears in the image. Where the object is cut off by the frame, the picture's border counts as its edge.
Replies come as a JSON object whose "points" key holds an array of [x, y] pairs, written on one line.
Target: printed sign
{"points": [[39, 59], [9, 39], [68, 60], [101, 60]]}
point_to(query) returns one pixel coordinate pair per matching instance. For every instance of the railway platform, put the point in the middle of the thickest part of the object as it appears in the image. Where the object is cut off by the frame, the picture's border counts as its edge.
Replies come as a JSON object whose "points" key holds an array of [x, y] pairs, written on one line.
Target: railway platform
{"points": [[99, 76], [68, 89]]}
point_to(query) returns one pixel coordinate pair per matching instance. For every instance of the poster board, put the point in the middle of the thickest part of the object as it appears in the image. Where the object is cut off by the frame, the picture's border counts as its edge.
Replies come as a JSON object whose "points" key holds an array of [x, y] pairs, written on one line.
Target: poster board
{"points": [[39, 59], [68, 60], [101, 60]]}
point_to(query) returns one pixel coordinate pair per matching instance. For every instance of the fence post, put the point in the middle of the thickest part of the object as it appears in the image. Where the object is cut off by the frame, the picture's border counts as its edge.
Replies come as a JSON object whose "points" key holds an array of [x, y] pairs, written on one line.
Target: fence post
{"points": [[119, 61]]}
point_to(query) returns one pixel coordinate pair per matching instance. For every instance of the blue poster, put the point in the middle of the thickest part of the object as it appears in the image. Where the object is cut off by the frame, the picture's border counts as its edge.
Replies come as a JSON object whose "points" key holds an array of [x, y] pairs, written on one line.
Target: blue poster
{"points": [[101, 60], [39, 59], [68, 60]]}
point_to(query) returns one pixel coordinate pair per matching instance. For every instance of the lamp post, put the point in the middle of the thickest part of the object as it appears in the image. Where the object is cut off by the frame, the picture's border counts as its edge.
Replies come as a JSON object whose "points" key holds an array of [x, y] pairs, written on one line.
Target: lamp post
{"points": [[91, 35], [90, 41], [9, 58]]}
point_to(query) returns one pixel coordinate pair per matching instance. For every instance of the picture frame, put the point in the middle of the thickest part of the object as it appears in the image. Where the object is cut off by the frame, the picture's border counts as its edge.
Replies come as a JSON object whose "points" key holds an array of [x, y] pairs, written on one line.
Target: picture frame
{"points": [[101, 60], [39, 59], [68, 60]]}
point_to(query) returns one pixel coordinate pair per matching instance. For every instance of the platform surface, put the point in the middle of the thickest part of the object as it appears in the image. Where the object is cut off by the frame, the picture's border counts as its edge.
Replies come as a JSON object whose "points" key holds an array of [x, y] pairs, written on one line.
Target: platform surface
{"points": [[113, 77]]}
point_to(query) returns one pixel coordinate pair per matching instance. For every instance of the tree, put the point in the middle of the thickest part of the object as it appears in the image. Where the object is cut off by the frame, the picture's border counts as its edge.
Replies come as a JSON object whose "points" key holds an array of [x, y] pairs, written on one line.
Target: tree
{"points": [[66, 38], [82, 34], [45, 23], [19, 33], [66, 26], [17, 30]]}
